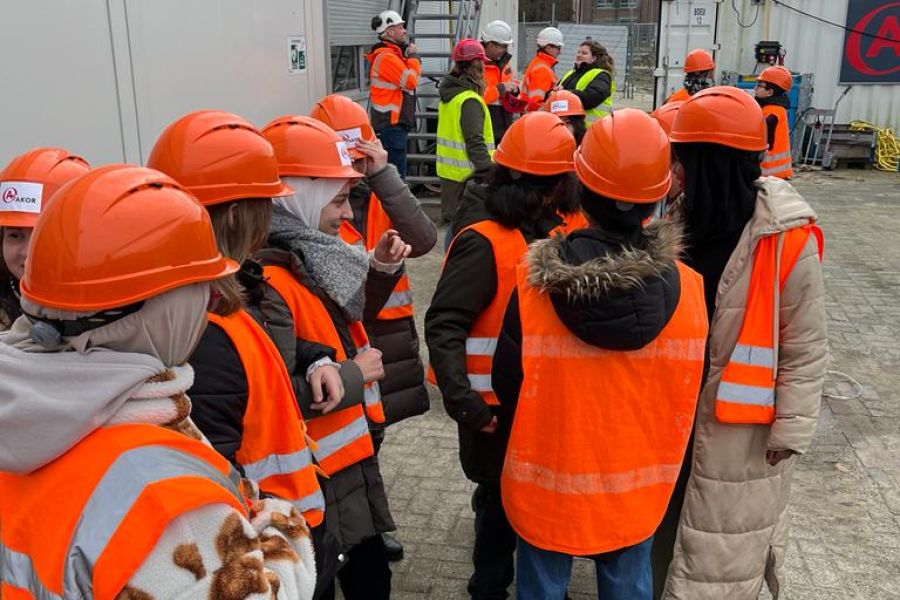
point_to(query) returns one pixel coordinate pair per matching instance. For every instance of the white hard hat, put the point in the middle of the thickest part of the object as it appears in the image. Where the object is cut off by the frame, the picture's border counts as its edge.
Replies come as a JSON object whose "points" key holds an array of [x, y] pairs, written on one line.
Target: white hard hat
{"points": [[385, 19], [550, 36], [497, 31]]}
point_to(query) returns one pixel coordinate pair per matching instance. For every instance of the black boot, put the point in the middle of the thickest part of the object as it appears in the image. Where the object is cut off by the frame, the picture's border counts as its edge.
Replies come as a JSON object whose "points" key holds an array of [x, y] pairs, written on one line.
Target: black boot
{"points": [[392, 547]]}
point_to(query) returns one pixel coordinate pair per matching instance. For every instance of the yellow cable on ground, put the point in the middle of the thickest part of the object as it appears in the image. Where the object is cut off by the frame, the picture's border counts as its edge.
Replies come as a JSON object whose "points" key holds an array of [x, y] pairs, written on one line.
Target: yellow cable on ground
{"points": [[887, 145]]}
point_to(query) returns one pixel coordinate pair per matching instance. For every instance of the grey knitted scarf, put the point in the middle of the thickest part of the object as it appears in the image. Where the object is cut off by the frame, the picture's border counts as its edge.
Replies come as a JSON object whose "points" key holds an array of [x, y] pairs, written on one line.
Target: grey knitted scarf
{"points": [[338, 268]]}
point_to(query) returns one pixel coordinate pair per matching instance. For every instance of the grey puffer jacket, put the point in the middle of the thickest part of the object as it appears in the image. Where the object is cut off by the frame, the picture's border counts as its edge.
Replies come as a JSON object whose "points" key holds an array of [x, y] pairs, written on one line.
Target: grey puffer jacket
{"points": [[403, 391], [733, 530]]}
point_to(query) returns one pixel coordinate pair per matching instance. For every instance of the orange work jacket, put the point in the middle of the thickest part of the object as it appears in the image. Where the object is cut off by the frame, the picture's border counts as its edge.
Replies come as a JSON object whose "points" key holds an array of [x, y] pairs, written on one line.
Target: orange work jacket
{"points": [[680, 95], [492, 77], [538, 81], [746, 392], [342, 437], [570, 223], [777, 161], [400, 303], [274, 450], [391, 75], [599, 435], [82, 525], [509, 246]]}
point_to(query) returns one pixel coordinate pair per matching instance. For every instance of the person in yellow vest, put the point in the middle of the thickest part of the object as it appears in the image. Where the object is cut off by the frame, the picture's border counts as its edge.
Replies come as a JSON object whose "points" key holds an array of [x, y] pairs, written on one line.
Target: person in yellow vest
{"points": [[322, 289], [394, 70], [465, 136], [592, 80], [382, 201], [601, 357], [500, 87], [109, 490], [243, 396], [755, 242], [27, 183], [516, 204], [699, 69], [772, 87], [539, 78]]}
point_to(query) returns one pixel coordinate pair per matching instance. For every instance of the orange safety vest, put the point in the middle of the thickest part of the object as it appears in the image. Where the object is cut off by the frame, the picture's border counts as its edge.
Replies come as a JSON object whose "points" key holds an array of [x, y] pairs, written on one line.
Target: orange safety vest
{"points": [[538, 81], [82, 525], [274, 450], [391, 75], [679, 95], [599, 435], [746, 393], [399, 305], [342, 436], [508, 246], [492, 77], [570, 223], [777, 161]]}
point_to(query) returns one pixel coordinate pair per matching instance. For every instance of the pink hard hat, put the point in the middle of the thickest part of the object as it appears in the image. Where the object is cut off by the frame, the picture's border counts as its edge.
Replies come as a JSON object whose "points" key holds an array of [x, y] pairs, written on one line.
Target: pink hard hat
{"points": [[467, 50]]}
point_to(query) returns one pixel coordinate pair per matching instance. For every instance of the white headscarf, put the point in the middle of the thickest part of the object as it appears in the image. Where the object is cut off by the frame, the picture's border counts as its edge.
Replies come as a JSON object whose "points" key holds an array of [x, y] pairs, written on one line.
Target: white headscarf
{"points": [[310, 197]]}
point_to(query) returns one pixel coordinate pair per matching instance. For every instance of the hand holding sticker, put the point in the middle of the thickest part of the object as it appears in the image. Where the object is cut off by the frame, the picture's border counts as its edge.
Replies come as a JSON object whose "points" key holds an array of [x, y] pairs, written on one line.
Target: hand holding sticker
{"points": [[376, 155]]}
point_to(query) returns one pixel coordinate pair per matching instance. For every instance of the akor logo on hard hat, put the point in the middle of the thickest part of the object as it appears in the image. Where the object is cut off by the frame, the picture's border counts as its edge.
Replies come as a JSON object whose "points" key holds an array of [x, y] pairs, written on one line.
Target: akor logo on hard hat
{"points": [[559, 106], [344, 153], [21, 196], [10, 195]]}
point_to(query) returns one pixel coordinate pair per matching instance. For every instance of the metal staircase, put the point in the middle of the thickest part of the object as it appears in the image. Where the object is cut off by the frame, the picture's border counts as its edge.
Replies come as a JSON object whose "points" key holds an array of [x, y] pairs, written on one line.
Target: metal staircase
{"points": [[435, 26]]}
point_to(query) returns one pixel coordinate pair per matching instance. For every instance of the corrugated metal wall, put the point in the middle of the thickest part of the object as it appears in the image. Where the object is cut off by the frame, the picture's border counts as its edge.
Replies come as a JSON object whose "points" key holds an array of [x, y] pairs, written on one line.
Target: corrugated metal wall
{"points": [[812, 47], [504, 10], [613, 37], [350, 21]]}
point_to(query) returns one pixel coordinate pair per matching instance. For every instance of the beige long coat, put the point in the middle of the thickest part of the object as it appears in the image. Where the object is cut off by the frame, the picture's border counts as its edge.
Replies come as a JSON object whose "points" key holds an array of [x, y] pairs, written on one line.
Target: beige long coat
{"points": [[733, 529]]}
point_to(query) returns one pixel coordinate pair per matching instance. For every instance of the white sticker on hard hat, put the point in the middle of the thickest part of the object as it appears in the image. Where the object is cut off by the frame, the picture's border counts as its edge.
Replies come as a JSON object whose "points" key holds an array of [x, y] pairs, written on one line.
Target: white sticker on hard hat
{"points": [[559, 106], [351, 136], [21, 196], [344, 153]]}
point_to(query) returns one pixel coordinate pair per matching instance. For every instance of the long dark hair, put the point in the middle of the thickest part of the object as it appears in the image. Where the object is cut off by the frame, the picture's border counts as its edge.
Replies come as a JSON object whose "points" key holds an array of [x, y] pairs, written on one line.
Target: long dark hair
{"points": [[602, 58], [514, 198], [9, 302], [579, 127]]}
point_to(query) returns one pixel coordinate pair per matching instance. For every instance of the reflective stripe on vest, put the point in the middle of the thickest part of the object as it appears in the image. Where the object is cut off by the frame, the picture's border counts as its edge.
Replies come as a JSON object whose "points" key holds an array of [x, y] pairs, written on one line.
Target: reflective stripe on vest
{"points": [[452, 159], [777, 161], [508, 246], [613, 463], [273, 450], [400, 303], [535, 93], [746, 392], [132, 481], [605, 107], [387, 96], [345, 445]]}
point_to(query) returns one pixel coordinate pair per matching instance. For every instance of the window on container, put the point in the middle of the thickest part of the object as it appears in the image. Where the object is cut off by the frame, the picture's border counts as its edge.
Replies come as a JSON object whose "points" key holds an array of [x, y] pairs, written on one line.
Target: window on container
{"points": [[345, 68], [616, 3]]}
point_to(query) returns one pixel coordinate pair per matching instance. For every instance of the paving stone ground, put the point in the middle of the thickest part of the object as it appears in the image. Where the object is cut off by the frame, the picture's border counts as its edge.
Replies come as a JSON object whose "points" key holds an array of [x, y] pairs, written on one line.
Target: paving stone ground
{"points": [[845, 512]]}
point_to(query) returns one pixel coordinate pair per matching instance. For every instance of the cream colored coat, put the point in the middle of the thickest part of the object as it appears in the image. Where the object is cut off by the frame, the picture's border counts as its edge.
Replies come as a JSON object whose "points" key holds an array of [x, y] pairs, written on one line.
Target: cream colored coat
{"points": [[733, 529]]}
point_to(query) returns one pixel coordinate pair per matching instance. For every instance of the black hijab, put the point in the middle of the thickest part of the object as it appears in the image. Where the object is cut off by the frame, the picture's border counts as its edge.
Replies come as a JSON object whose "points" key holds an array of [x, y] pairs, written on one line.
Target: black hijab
{"points": [[720, 197]]}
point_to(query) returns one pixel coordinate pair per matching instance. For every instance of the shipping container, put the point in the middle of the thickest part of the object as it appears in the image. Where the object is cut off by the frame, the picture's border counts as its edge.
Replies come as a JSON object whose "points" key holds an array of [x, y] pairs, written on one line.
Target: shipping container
{"points": [[815, 40]]}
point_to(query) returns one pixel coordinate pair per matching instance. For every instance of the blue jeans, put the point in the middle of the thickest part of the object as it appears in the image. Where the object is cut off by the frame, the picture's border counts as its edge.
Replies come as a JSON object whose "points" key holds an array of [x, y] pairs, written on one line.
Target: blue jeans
{"points": [[394, 141], [621, 575]]}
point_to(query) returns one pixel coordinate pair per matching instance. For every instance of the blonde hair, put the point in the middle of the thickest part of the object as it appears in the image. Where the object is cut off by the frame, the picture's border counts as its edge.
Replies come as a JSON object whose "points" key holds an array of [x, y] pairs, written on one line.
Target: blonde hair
{"points": [[238, 240]]}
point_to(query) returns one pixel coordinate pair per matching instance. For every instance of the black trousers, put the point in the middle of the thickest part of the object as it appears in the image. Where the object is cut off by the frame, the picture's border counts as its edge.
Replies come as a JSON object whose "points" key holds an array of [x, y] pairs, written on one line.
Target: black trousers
{"points": [[367, 575], [495, 545]]}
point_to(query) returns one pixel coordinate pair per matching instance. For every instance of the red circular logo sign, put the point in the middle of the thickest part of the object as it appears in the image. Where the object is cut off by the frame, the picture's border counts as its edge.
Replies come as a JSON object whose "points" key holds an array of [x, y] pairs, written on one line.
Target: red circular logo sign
{"points": [[886, 25], [10, 195]]}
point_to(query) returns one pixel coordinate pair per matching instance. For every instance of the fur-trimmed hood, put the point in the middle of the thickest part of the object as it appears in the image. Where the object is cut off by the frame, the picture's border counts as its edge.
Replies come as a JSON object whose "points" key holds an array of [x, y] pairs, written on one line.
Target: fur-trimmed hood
{"points": [[612, 293]]}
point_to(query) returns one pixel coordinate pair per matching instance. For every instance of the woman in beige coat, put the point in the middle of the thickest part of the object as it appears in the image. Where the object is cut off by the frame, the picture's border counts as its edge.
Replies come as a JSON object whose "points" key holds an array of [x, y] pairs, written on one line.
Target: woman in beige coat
{"points": [[733, 529]]}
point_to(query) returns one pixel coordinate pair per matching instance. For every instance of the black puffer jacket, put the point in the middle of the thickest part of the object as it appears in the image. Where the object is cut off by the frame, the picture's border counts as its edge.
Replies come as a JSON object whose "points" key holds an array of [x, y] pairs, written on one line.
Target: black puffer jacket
{"points": [[597, 91], [467, 286], [611, 291], [403, 391]]}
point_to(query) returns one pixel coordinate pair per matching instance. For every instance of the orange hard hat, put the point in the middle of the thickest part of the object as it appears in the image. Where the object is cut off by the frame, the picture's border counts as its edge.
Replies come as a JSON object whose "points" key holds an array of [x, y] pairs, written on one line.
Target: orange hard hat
{"points": [[777, 75], [721, 115], [698, 60], [218, 157], [539, 143], [307, 147], [665, 115], [625, 156], [29, 181], [564, 103], [348, 119], [118, 235]]}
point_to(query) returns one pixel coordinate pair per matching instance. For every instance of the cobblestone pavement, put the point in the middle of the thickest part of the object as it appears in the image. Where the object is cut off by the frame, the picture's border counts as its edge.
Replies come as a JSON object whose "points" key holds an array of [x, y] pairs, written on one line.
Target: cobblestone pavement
{"points": [[845, 539]]}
